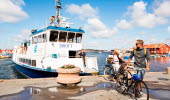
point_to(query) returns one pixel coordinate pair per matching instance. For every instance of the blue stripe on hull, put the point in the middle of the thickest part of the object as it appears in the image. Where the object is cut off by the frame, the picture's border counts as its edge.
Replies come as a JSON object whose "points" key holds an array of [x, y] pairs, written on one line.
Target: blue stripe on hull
{"points": [[33, 73]]}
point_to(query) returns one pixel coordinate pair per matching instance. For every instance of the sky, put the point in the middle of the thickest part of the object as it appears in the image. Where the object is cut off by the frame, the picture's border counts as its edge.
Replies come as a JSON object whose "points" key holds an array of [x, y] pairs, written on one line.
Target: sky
{"points": [[108, 24]]}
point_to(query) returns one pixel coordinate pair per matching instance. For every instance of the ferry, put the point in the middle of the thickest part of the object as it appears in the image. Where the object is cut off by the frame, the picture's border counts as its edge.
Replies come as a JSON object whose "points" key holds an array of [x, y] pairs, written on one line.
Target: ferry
{"points": [[52, 47]]}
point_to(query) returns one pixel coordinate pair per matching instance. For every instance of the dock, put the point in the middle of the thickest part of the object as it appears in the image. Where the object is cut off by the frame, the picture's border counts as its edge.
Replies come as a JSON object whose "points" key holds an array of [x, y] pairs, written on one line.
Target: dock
{"points": [[154, 80]]}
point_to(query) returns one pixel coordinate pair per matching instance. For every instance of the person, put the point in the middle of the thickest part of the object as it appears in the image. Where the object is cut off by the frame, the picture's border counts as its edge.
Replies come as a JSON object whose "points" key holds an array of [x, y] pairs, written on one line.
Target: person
{"points": [[82, 54], [141, 55], [117, 60], [25, 46]]}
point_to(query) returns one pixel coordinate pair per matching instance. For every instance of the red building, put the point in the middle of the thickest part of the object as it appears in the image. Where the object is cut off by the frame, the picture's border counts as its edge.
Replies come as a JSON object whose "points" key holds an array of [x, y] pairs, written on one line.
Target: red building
{"points": [[160, 48], [6, 51]]}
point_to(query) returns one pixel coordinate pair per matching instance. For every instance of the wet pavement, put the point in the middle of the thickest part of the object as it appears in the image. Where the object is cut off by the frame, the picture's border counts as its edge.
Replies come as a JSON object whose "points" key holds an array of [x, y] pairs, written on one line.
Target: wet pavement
{"points": [[63, 92], [58, 93], [160, 94]]}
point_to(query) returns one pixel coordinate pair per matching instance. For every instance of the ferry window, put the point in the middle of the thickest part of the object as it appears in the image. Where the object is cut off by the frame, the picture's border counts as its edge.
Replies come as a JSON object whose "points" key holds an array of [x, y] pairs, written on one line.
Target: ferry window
{"points": [[78, 38], [44, 38], [54, 36], [34, 63], [72, 54], [71, 37], [62, 37], [29, 62], [35, 40], [23, 60], [39, 39], [26, 61]]}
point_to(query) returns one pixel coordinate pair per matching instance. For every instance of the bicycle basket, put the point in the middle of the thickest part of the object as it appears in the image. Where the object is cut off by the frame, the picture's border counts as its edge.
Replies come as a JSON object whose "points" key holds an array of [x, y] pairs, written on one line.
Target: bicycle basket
{"points": [[137, 77]]}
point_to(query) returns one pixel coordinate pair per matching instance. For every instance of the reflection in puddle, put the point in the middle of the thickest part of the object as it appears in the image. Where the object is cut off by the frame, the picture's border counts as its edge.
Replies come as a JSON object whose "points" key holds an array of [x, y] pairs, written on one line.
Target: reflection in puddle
{"points": [[58, 93], [34, 91]]}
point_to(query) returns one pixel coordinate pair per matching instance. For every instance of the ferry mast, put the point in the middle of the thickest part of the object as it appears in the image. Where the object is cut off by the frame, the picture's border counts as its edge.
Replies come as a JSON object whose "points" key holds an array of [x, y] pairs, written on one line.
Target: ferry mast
{"points": [[58, 7]]}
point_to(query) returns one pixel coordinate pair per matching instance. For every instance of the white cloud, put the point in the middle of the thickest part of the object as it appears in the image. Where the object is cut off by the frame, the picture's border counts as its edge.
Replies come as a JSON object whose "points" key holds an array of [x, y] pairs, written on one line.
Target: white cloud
{"points": [[94, 25], [84, 11], [163, 8], [24, 34], [142, 18], [123, 24], [98, 29], [169, 29], [11, 11]]}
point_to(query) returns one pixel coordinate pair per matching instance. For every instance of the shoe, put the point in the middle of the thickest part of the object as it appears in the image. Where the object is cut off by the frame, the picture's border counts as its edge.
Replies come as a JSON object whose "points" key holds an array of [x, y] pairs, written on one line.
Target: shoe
{"points": [[138, 94]]}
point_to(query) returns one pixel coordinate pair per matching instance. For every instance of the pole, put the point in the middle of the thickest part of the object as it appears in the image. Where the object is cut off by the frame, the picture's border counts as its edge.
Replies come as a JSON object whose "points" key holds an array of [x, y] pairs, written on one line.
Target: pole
{"points": [[58, 7]]}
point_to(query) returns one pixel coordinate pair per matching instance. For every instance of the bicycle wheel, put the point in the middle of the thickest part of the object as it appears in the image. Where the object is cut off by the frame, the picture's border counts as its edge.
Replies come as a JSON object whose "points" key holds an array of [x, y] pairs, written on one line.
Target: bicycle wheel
{"points": [[108, 73], [123, 81], [141, 90], [120, 85]]}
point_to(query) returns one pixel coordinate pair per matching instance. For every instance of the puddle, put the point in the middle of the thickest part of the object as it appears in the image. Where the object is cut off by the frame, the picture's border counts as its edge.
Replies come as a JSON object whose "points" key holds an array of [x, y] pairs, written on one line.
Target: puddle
{"points": [[57, 93], [163, 79], [160, 94], [63, 92]]}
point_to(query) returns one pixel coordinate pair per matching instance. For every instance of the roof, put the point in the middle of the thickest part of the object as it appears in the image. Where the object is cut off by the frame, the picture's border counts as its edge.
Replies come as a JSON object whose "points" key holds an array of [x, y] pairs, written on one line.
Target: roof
{"points": [[59, 28], [155, 45]]}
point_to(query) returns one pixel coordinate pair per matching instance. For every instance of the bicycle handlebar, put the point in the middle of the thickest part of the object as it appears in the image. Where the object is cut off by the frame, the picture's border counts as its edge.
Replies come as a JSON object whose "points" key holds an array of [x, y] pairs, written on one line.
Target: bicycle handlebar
{"points": [[136, 68]]}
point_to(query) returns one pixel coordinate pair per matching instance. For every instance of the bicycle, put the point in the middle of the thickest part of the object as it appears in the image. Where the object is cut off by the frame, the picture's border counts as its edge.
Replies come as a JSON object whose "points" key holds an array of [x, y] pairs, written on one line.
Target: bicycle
{"points": [[136, 87], [110, 74]]}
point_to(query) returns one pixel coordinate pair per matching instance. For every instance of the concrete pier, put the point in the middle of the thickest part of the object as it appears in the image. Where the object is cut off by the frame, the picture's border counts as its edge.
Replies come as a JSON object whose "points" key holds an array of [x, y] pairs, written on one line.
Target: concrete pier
{"points": [[154, 80]]}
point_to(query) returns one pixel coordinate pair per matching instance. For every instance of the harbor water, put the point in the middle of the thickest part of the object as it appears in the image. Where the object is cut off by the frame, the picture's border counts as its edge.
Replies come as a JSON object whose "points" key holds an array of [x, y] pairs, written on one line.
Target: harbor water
{"points": [[7, 70]]}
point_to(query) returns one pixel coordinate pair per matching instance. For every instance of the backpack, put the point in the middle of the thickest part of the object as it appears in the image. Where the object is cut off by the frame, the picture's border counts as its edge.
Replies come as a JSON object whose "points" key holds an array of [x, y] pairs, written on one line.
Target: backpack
{"points": [[144, 51]]}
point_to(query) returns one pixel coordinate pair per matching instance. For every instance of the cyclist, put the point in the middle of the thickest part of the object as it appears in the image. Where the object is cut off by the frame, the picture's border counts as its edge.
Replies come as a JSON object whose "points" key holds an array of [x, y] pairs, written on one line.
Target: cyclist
{"points": [[141, 55]]}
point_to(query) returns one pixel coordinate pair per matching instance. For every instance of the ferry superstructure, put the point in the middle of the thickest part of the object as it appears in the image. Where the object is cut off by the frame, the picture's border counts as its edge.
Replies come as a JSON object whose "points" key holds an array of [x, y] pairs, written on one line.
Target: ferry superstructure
{"points": [[50, 48]]}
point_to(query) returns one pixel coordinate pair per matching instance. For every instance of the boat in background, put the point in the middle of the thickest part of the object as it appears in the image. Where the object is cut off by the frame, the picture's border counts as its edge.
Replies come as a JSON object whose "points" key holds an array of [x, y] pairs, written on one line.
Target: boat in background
{"points": [[5, 53], [52, 47]]}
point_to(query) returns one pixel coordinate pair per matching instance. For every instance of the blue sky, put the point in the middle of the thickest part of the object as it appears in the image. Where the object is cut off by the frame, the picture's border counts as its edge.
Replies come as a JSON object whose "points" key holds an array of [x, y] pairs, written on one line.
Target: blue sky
{"points": [[108, 24]]}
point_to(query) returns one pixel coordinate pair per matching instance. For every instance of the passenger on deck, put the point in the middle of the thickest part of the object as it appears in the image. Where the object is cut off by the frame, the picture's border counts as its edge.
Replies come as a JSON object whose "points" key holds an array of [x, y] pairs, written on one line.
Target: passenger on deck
{"points": [[82, 54], [25, 46]]}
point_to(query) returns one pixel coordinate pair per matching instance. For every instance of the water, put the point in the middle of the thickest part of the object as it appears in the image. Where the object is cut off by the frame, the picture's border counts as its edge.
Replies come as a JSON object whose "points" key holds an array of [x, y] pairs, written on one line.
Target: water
{"points": [[7, 70]]}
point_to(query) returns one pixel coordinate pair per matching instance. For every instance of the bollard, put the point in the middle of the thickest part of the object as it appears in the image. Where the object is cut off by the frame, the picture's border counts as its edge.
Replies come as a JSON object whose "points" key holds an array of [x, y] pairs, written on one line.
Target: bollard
{"points": [[168, 70]]}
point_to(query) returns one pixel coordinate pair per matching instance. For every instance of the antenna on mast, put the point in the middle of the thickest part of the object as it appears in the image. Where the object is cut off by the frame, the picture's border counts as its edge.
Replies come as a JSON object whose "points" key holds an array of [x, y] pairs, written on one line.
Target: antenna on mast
{"points": [[58, 7]]}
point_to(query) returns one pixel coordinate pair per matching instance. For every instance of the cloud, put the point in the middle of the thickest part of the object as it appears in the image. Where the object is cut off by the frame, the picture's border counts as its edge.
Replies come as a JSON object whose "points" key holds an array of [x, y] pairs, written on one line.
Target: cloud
{"points": [[163, 8], [123, 24], [84, 11], [93, 24], [24, 34], [142, 18], [99, 29], [169, 29], [11, 11]]}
